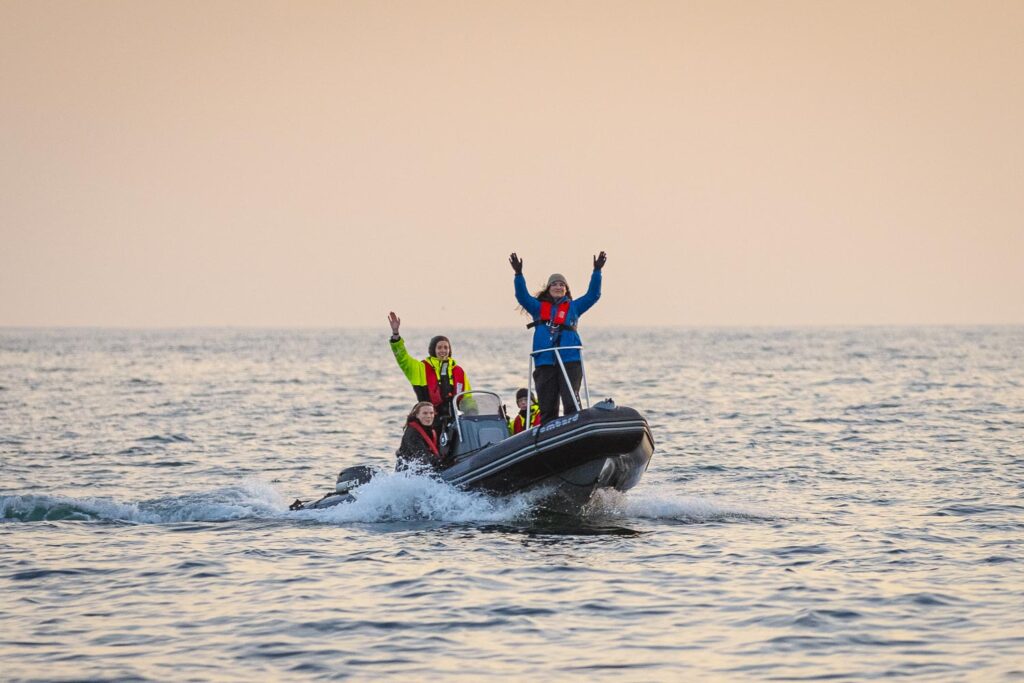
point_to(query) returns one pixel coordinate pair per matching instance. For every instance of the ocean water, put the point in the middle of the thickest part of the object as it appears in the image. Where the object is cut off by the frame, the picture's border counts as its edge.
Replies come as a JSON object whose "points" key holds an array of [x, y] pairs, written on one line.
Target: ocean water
{"points": [[843, 504]]}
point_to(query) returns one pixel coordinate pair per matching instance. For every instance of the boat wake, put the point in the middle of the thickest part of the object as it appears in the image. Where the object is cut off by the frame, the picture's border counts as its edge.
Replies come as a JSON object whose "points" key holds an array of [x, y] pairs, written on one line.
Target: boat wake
{"points": [[250, 499], [388, 497], [408, 496]]}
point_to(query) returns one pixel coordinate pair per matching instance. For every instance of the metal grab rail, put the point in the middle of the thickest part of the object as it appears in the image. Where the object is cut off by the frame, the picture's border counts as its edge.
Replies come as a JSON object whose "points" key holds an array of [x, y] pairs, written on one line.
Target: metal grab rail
{"points": [[565, 374]]}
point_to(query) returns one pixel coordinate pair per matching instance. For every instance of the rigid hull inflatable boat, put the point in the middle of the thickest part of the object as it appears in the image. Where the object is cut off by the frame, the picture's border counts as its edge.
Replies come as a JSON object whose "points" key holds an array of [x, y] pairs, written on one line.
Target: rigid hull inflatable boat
{"points": [[567, 459]]}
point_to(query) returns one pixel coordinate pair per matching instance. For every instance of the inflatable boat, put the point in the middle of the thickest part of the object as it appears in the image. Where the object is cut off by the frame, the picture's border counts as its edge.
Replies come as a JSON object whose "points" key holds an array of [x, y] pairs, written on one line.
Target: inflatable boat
{"points": [[565, 460], [568, 459]]}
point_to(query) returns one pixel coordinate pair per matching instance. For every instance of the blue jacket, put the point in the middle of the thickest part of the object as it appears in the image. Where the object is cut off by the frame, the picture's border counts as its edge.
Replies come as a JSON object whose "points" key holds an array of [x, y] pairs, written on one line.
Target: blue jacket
{"points": [[542, 338]]}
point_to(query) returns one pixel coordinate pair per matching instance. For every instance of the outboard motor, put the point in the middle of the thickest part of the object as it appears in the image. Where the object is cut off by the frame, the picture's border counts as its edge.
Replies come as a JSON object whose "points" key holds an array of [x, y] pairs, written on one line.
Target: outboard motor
{"points": [[352, 477], [349, 479]]}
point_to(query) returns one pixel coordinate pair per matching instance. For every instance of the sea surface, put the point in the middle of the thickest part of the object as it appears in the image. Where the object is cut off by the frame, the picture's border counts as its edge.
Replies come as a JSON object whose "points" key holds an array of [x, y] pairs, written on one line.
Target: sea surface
{"points": [[835, 503]]}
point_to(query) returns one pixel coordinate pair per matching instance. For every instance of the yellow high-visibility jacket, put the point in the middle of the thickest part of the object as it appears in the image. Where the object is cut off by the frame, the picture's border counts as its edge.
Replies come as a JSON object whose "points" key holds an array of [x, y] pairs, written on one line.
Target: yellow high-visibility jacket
{"points": [[425, 375]]}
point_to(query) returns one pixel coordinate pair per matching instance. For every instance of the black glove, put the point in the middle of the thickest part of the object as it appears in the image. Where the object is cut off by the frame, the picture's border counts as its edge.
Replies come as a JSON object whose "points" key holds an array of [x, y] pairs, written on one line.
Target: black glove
{"points": [[516, 263], [599, 261]]}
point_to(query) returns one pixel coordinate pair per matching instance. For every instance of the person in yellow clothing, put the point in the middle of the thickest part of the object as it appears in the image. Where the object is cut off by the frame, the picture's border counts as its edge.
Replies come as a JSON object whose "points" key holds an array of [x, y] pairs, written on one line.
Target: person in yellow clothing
{"points": [[518, 423], [436, 378]]}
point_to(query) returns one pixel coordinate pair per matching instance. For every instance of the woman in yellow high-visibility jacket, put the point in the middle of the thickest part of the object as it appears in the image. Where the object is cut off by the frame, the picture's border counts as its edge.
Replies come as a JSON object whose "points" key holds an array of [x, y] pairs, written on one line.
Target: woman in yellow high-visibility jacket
{"points": [[437, 378]]}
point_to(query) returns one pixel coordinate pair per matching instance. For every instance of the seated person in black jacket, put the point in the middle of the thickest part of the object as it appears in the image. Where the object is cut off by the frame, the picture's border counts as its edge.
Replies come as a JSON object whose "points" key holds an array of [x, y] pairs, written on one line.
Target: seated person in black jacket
{"points": [[420, 440]]}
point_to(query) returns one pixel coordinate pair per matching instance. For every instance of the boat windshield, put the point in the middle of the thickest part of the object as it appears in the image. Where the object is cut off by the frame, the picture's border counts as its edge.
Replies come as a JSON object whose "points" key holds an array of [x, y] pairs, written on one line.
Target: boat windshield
{"points": [[478, 403]]}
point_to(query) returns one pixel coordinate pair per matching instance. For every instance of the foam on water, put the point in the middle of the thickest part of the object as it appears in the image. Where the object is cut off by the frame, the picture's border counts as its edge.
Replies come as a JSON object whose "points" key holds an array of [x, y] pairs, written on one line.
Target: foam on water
{"points": [[39, 508], [389, 497], [648, 504], [406, 496], [250, 499]]}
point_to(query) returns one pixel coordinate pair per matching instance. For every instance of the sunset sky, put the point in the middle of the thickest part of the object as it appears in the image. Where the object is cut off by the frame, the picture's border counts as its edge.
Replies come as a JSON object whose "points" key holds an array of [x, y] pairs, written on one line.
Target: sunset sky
{"points": [[321, 163]]}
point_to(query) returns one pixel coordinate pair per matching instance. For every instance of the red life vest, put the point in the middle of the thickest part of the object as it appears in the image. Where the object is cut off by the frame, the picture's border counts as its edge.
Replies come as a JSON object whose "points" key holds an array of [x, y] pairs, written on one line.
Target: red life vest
{"points": [[518, 423], [430, 438], [558, 317], [441, 389]]}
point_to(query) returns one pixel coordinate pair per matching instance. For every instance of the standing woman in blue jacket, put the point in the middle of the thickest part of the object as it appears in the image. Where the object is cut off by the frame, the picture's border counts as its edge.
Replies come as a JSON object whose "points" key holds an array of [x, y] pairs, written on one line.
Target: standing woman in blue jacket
{"points": [[555, 316]]}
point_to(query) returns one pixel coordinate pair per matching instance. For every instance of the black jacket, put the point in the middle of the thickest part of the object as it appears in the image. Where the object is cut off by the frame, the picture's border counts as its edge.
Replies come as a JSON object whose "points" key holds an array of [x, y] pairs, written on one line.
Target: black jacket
{"points": [[414, 449]]}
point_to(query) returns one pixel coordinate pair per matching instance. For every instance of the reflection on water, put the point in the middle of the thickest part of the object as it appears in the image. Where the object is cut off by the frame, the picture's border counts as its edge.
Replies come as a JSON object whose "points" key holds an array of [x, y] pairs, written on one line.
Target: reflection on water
{"points": [[560, 525]]}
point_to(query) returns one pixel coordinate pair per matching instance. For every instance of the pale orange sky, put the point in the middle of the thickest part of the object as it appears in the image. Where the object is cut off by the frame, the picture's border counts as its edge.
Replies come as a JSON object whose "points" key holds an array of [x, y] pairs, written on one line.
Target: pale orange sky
{"points": [[315, 163]]}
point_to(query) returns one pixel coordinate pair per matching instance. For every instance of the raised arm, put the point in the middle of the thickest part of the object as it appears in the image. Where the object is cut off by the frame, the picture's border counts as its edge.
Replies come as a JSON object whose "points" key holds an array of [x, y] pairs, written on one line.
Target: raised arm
{"points": [[594, 290], [411, 368], [523, 296]]}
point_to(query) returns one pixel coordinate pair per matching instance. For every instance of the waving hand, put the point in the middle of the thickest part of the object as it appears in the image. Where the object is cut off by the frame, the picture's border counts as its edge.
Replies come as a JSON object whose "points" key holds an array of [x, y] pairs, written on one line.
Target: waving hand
{"points": [[516, 263]]}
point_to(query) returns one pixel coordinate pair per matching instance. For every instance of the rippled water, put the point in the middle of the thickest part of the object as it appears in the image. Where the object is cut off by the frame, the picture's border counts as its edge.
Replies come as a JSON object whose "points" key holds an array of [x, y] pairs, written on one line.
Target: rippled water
{"points": [[822, 503]]}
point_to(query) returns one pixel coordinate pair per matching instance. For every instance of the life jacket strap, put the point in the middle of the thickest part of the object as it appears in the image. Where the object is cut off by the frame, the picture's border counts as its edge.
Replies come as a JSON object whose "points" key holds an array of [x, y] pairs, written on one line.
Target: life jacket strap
{"points": [[535, 323]]}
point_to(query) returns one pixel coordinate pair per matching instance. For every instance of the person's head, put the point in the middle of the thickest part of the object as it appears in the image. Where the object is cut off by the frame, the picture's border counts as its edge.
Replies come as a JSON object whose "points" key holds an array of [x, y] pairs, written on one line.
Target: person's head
{"points": [[440, 347], [423, 412], [556, 288], [521, 398]]}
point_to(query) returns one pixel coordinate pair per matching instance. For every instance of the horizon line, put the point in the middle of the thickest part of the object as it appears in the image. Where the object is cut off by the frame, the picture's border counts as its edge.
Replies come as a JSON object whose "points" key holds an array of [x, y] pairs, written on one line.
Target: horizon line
{"points": [[621, 326]]}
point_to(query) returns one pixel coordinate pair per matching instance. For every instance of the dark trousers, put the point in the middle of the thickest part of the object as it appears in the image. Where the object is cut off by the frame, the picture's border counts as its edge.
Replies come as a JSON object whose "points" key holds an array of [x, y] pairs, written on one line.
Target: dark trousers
{"points": [[551, 384]]}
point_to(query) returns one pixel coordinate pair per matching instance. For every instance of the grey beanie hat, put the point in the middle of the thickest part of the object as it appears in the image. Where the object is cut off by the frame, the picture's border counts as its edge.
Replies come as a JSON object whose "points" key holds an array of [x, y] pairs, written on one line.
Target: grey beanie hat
{"points": [[555, 277]]}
